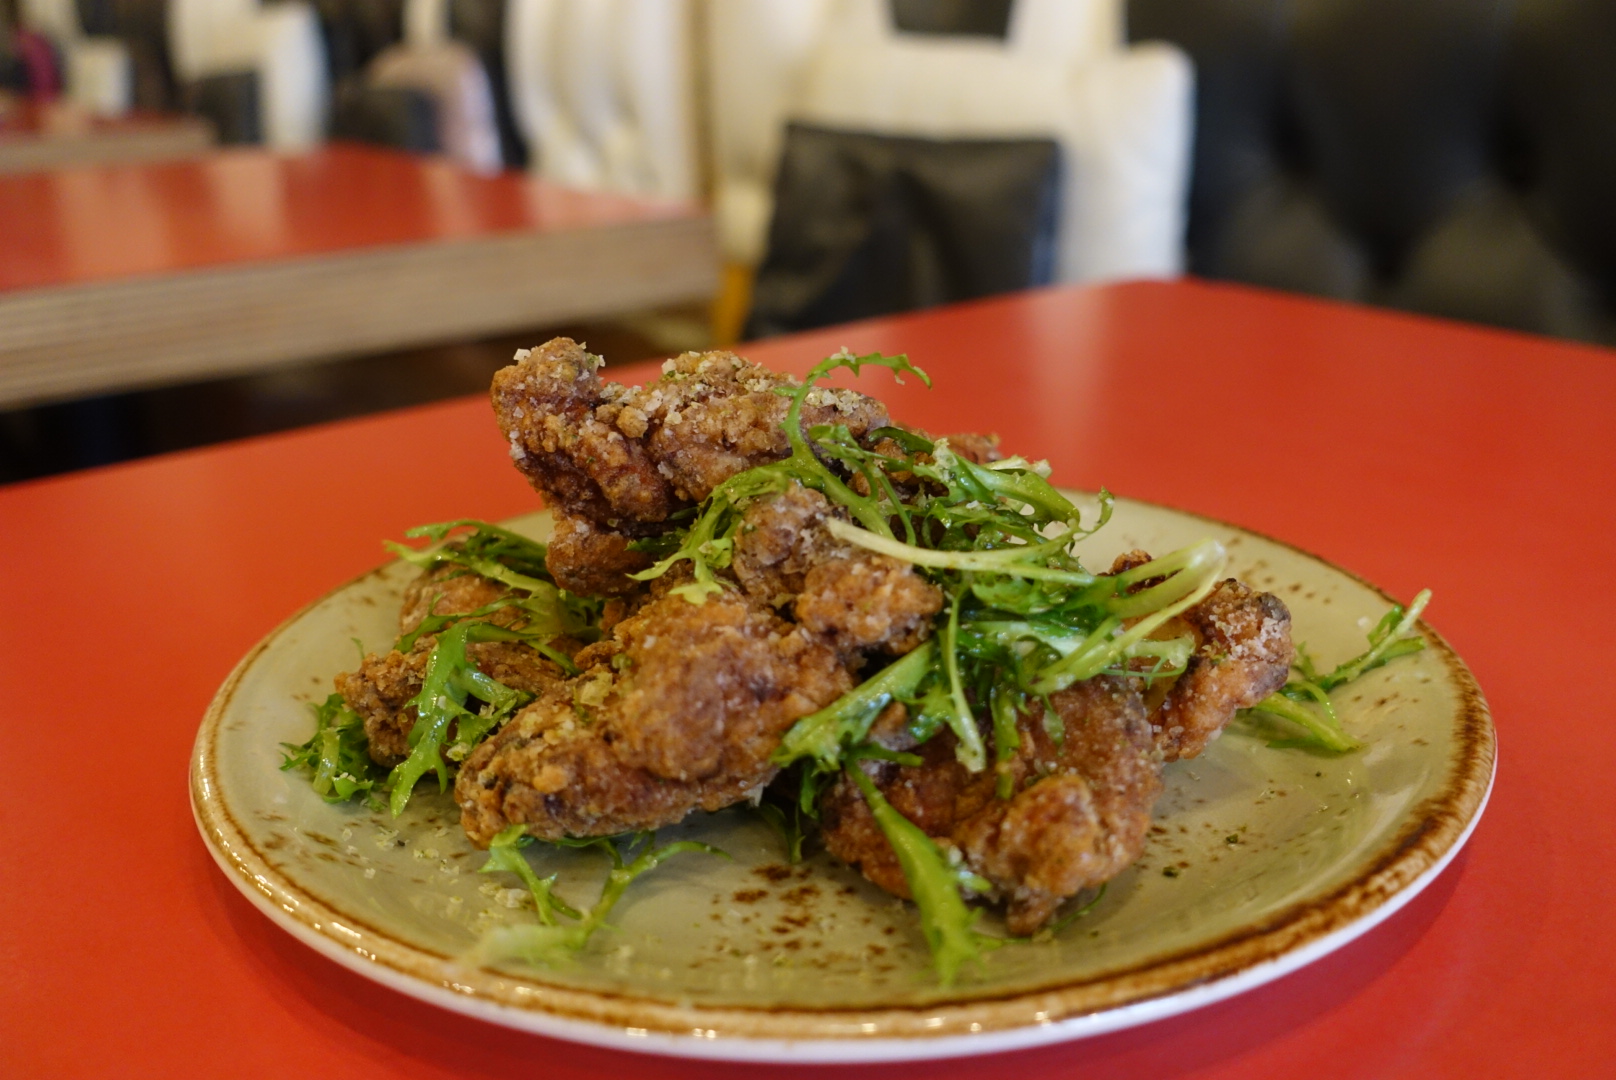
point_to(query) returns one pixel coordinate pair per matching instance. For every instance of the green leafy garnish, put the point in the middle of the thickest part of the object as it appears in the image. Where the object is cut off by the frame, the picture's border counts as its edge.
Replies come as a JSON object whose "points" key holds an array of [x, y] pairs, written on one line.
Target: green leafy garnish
{"points": [[552, 940], [709, 543], [826, 734], [338, 754], [946, 921], [505, 855], [787, 819], [1304, 701], [451, 681]]}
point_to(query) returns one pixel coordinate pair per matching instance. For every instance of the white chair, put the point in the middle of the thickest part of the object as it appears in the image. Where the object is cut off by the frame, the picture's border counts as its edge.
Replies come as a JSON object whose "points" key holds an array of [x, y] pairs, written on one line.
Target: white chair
{"points": [[280, 42], [1121, 116], [98, 71], [603, 92]]}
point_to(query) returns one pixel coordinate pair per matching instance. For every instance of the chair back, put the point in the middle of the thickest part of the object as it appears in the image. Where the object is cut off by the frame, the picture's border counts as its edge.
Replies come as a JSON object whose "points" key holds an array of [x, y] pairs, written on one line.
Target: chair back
{"points": [[603, 92]]}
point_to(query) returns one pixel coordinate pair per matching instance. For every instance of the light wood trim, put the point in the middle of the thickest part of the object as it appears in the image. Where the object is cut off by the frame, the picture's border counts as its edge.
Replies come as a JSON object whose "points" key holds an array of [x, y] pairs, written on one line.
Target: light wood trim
{"points": [[181, 138], [82, 339]]}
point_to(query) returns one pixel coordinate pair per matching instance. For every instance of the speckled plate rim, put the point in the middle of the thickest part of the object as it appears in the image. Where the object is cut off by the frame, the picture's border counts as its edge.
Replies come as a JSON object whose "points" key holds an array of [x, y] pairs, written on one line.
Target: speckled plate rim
{"points": [[1432, 833]]}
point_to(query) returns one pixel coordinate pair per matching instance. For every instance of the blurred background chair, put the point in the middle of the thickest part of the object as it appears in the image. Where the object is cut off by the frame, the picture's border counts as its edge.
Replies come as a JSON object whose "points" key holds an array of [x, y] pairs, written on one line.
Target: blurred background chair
{"points": [[1451, 157], [267, 64], [450, 75], [604, 92], [1052, 69], [94, 71]]}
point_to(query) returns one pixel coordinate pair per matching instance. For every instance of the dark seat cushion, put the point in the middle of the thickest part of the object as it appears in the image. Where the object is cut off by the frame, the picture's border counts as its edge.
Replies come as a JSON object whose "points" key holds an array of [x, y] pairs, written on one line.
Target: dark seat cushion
{"points": [[403, 118], [142, 25], [867, 225], [230, 102], [1452, 157]]}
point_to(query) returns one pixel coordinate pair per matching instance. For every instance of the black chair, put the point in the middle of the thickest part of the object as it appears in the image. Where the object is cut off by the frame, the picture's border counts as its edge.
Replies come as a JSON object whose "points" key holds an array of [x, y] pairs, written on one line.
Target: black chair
{"points": [[142, 25], [1452, 157], [395, 116], [230, 103], [868, 225]]}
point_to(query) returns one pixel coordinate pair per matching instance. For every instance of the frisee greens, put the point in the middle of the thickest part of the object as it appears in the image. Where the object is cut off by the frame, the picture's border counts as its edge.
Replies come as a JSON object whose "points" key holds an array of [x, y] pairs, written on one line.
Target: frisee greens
{"points": [[337, 755], [946, 921], [1302, 706], [551, 940], [458, 705]]}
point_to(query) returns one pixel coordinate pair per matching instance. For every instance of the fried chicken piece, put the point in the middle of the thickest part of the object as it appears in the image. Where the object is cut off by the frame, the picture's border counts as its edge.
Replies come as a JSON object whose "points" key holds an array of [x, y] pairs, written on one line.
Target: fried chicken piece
{"points": [[864, 601], [686, 709], [1078, 814], [627, 457], [545, 404], [447, 589], [592, 560], [855, 599], [1243, 653], [780, 539], [385, 682], [975, 447]]}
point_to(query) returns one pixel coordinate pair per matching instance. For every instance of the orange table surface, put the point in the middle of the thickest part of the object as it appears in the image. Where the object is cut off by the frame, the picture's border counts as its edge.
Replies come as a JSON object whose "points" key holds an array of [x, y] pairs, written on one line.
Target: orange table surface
{"points": [[1413, 452], [75, 226]]}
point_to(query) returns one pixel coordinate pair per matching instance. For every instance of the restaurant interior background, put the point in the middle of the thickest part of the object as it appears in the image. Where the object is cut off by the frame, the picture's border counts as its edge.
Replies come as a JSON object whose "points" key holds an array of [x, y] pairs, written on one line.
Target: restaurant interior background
{"points": [[839, 159]]}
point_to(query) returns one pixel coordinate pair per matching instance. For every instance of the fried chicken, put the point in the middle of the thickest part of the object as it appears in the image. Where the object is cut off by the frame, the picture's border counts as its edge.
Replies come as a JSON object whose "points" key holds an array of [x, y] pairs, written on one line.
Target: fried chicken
{"points": [[681, 709], [1243, 653], [1077, 816], [852, 598], [682, 705], [627, 457], [385, 682], [592, 560], [1079, 810]]}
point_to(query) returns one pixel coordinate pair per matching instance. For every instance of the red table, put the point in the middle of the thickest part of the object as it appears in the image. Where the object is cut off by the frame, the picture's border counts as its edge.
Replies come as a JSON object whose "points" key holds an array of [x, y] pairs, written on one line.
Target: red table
{"points": [[117, 276], [1412, 451]]}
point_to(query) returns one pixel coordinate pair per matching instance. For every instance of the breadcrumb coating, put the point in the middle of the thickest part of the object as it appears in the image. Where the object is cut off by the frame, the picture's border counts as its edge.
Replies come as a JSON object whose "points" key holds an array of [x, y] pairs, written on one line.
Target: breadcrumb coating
{"points": [[683, 712], [1243, 653], [592, 560], [627, 457]]}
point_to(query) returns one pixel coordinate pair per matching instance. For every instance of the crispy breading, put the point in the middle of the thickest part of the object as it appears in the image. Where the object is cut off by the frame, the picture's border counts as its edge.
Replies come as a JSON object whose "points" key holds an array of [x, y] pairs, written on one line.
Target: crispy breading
{"points": [[627, 457], [864, 601], [685, 713], [781, 537], [1243, 653], [592, 560], [545, 404], [1078, 813], [448, 589]]}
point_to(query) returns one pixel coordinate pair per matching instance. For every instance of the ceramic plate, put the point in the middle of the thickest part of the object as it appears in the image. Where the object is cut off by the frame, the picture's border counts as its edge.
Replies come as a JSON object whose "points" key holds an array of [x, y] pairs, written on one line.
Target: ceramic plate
{"points": [[1260, 861]]}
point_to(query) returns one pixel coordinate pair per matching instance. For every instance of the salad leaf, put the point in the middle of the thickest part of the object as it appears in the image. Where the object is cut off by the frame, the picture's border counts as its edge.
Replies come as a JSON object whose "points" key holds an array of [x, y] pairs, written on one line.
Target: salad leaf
{"points": [[451, 681], [551, 941], [1304, 701], [505, 855], [824, 735], [946, 921], [338, 754]]}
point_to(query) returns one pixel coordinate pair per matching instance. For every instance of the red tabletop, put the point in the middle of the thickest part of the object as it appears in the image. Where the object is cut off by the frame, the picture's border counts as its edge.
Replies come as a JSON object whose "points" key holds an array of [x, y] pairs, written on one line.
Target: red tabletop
{"points": [[1414, 452], [99, 223]]}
